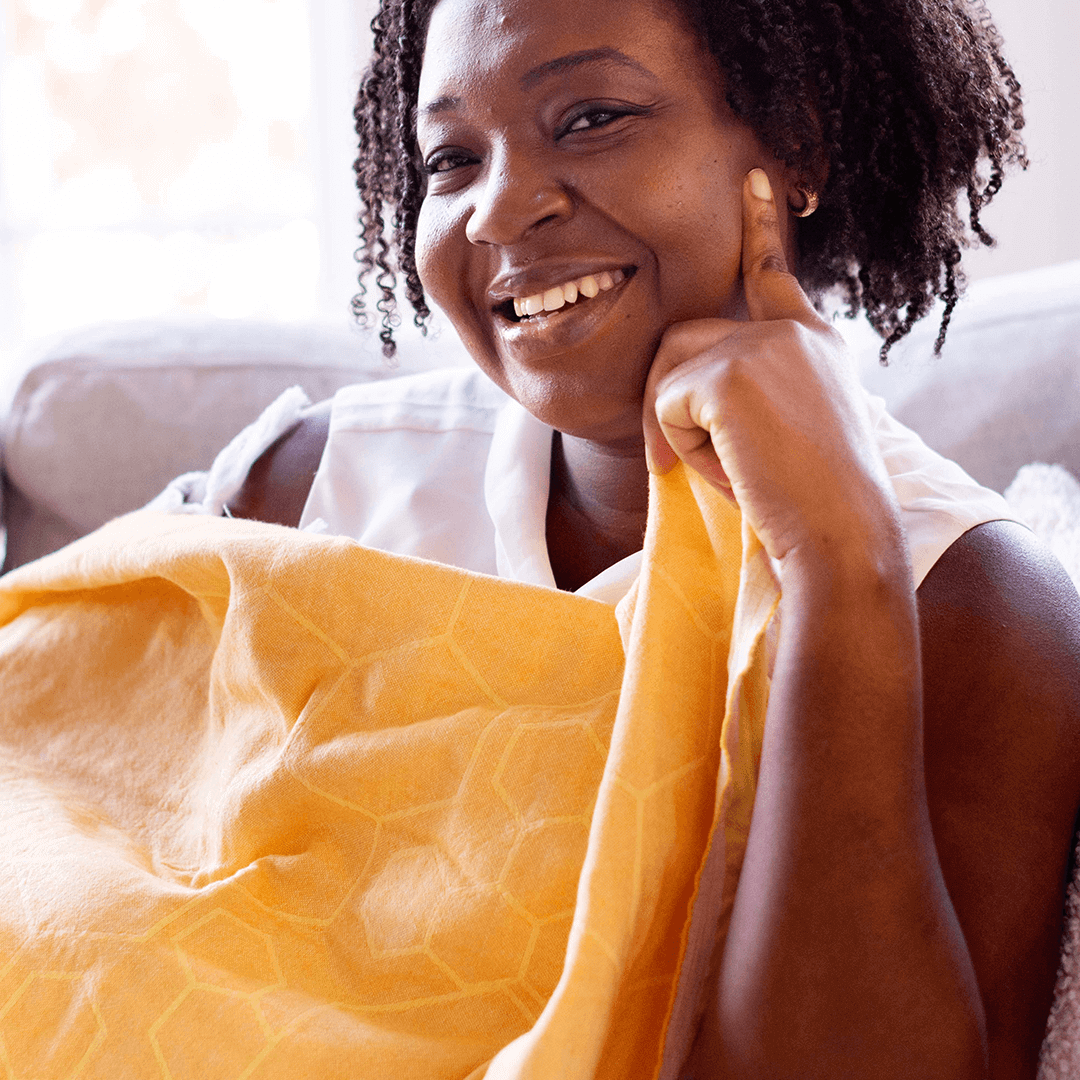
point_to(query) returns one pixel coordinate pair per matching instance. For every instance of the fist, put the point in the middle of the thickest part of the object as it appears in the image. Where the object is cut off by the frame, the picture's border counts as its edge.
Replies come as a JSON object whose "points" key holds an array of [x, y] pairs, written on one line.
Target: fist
{"points": [[768, 409]]}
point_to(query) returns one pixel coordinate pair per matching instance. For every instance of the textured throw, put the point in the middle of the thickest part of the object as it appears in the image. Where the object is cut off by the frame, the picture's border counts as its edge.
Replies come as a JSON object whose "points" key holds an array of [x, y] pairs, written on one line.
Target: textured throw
{"points": [[1047, 498], [275, 805]]}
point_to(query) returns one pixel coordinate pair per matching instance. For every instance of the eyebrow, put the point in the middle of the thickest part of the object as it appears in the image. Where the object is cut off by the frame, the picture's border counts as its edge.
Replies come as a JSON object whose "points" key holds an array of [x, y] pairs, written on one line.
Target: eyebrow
{"points": [[605, 55]]}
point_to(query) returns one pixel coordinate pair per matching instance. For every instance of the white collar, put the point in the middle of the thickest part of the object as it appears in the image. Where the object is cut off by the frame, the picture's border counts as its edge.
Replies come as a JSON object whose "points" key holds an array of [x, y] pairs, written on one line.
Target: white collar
{"points": [[516, 483]]}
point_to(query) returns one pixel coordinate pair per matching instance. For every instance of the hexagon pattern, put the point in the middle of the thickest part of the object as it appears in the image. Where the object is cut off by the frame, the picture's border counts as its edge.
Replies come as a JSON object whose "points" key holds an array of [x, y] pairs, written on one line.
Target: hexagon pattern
{"points": [[361, 842], [49, 1026]]}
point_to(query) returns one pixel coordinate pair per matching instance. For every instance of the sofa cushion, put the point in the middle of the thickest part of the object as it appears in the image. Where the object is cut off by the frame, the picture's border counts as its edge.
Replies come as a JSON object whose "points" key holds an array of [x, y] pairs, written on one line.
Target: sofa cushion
{"points": [[100, 421], [1006, 389]]}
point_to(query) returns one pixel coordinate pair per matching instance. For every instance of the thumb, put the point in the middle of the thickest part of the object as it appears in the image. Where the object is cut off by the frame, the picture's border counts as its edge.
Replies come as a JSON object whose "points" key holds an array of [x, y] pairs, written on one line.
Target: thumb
{"points": [[771, 291]]}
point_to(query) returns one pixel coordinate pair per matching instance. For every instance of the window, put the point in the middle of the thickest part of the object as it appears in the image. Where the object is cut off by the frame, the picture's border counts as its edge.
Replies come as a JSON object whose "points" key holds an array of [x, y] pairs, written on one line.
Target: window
{"points": [[163, 157]]}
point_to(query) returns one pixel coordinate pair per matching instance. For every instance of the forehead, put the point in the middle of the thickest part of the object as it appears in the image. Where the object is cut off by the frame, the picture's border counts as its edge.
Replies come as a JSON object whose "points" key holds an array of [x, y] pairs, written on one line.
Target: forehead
{"points": [[473, 42]]}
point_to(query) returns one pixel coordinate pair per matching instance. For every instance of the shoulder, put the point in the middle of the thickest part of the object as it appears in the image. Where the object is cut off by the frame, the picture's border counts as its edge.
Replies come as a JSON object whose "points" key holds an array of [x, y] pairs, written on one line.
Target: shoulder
{"points": [[999, 598], [447, 399], [277, 484], [1000, 628]]}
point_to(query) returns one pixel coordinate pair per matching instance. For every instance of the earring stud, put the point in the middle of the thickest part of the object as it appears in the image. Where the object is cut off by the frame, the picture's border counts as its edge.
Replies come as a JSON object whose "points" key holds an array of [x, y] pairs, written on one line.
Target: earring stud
{"points": [[810, 202]]}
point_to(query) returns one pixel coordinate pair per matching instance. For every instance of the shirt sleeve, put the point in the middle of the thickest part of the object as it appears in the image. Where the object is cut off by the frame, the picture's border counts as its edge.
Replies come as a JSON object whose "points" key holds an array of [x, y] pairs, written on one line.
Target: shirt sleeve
{"points": [[209, 492]]}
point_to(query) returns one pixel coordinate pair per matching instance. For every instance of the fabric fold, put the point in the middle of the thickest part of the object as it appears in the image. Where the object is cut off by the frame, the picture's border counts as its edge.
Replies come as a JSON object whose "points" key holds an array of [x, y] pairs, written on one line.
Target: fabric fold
{"points": [[280, 805]]}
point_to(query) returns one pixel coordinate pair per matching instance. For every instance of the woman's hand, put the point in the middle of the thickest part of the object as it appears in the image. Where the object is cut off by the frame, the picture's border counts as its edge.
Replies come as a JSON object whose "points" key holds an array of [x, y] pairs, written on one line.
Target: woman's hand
{"points": [[769, 410]]}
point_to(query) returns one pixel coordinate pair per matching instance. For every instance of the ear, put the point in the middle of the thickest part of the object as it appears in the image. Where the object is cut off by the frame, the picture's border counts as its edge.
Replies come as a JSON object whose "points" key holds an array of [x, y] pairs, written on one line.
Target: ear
{"points": [[807, 171]]}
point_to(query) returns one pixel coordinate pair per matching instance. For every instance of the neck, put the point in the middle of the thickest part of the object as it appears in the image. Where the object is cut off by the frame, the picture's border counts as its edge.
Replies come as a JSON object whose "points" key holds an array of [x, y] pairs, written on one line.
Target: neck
{"points": [[597, 507]]}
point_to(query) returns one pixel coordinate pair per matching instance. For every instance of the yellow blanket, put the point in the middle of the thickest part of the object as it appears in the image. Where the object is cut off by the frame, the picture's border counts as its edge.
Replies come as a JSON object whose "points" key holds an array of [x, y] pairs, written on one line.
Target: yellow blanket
{"points": [[275, 805]]}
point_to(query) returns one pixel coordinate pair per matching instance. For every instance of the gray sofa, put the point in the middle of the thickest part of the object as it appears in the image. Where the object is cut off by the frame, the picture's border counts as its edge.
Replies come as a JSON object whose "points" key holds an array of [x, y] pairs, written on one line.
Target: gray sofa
{"points": [[95, 424]]}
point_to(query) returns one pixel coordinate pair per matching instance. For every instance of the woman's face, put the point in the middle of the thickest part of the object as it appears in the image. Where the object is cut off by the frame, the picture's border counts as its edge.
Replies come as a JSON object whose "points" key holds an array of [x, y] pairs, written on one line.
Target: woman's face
{"points": [[565, 140]]}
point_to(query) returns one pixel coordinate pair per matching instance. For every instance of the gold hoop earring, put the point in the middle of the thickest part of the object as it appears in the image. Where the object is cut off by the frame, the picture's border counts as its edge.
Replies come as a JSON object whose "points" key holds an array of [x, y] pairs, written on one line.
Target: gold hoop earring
{"points": [[810, 202]]}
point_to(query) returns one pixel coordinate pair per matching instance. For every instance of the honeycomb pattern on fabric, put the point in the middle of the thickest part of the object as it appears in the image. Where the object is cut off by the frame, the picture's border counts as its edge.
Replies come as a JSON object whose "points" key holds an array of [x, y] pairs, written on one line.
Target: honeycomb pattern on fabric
{"points": [[280, 806]]}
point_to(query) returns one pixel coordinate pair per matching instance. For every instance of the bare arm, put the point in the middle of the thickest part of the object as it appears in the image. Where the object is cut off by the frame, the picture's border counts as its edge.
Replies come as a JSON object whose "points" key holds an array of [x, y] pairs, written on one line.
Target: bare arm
{"points": [[1001, 673], [1000, 648], [862, 942], [845, 956], [278, 484]]}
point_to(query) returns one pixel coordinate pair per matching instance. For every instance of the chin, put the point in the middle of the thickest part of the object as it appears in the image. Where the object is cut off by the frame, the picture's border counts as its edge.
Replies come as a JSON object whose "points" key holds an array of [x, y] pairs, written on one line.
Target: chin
{"points": [[600, 410]]}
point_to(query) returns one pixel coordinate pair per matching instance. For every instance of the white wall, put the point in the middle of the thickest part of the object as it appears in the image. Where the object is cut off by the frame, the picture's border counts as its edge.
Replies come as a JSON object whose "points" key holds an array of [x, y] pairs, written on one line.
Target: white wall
{"points": [[1036, 216], [156, 159]]}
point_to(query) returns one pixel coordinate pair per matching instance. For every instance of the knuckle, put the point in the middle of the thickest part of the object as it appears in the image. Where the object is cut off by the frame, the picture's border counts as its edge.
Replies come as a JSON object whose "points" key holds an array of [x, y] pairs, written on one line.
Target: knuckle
{"points": [[814, 336], [773, 262], [684, 343], [835, 338], [725, 373], [740, 376], [789, 332], [673, 337], [768, 217], [805, 336]]}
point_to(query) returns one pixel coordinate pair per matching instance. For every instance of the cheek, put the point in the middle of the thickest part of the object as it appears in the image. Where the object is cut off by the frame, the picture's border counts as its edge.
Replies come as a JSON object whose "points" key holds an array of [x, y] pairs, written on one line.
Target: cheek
{"points": [[436, 262], [444, 266], [696, 223]]}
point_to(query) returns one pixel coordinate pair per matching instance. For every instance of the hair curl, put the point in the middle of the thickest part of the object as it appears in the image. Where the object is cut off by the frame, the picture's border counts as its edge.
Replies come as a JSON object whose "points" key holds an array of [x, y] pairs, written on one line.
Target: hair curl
{"points": [[902, 104]]}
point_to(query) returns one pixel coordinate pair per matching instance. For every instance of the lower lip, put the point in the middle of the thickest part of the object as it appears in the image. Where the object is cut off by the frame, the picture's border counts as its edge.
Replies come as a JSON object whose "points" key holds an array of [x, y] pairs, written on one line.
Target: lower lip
{"points": [[570, 325]]}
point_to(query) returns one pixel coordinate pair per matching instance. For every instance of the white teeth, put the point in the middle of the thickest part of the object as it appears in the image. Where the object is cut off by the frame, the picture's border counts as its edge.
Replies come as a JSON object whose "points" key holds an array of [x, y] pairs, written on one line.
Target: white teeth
{"points": [[553, 299], [560, 295]]}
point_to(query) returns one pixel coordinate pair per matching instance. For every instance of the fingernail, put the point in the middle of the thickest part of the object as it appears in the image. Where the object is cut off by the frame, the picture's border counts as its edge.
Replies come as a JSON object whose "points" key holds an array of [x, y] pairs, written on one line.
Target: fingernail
{"points": [[759, 185]]}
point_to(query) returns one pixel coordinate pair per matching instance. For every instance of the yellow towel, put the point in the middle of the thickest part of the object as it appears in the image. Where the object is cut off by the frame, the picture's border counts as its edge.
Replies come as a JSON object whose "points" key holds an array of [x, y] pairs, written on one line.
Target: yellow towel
{"points": [[275, 805]]}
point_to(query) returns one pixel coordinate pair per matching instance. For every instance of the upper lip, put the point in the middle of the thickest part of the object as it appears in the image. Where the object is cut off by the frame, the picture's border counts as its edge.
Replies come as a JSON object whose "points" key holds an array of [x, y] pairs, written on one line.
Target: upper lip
{"points": [[537, 279]]}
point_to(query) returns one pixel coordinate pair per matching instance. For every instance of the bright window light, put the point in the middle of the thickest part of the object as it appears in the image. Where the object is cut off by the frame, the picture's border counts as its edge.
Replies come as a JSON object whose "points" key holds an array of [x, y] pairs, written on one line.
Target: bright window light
{"points": [[172, 157]]}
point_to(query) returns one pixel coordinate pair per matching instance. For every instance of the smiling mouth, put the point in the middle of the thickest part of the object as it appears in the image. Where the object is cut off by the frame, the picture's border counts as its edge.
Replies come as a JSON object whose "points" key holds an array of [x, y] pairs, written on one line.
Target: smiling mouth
{"points": [[561, 298]]}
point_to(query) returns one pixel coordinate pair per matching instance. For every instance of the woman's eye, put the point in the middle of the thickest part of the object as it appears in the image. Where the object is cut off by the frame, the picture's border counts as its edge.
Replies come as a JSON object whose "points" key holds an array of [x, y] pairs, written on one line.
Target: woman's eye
{"points": [[596, 118], [591, 120], [446, 162]]}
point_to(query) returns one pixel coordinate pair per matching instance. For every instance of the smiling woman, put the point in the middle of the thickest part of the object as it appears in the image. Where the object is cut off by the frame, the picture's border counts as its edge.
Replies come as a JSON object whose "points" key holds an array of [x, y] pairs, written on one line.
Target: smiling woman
{"points": [[628, 209]]}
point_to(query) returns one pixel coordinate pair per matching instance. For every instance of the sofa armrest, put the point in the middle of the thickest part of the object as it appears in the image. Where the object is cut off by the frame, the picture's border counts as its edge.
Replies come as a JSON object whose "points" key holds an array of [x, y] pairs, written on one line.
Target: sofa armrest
{"points": [[98, 423]]}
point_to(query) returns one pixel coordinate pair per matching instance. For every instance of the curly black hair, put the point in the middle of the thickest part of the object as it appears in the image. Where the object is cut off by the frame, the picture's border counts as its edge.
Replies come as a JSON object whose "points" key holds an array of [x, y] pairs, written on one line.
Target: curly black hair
{"points": [[906, 103]]}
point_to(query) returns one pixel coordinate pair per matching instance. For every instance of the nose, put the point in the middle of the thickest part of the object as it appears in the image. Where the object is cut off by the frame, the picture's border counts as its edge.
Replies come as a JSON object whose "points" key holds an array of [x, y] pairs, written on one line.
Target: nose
{"points": [[518, 196]]}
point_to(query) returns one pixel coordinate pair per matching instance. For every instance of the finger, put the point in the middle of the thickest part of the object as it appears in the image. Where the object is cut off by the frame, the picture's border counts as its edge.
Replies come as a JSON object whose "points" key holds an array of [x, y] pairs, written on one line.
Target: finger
{"points": [[688, 417], [771, 291], [659, 455], [680, 345]]}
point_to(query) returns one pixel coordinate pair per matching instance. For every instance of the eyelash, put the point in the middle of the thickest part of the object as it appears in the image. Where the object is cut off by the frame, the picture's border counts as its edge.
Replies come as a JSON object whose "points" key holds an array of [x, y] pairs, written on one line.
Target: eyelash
{"points": [[431, 166], [593, 112]]}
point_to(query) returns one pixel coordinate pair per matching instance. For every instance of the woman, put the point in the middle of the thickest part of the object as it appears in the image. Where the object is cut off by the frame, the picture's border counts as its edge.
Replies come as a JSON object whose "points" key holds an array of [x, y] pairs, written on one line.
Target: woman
{"points": [[614, 203]]}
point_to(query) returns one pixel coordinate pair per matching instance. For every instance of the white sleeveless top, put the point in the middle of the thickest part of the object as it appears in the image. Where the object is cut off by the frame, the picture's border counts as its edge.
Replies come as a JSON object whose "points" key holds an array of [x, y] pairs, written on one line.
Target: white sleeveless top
{"points": [[444, 466]]}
